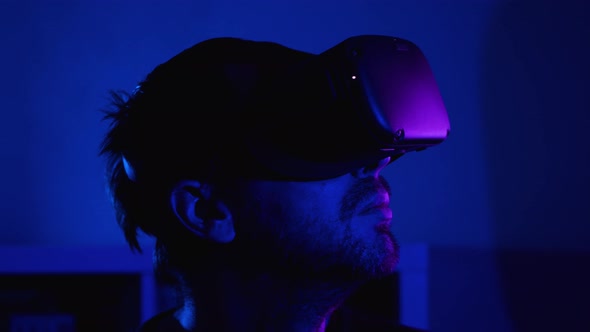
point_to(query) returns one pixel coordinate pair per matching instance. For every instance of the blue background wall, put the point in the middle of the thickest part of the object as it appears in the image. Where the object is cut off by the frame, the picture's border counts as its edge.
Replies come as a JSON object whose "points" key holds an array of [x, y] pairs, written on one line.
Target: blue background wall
{"points": [[503, 203]]}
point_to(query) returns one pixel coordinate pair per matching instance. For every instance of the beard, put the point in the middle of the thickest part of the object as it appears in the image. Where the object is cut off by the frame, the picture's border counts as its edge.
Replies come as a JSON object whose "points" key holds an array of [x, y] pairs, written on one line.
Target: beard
{"points": [[315, 248]]}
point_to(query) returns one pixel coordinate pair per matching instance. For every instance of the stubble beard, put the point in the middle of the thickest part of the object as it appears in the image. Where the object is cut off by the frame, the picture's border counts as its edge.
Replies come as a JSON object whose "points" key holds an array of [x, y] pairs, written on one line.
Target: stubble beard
{"points": [[313, 250], [320, 249]]}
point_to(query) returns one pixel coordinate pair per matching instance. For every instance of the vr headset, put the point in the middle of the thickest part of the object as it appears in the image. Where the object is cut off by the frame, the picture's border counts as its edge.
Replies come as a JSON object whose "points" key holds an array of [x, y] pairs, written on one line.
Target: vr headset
{"points": [[365, 99]]}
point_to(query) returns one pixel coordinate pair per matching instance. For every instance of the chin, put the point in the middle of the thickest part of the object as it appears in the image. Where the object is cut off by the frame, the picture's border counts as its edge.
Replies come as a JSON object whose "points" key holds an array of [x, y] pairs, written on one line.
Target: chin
{"points": [[389, 265], [385, 258]]}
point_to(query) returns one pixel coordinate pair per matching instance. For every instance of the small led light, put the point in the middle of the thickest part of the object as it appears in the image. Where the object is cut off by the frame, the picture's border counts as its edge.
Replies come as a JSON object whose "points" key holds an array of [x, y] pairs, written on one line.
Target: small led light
{"points": [[354, 77]]}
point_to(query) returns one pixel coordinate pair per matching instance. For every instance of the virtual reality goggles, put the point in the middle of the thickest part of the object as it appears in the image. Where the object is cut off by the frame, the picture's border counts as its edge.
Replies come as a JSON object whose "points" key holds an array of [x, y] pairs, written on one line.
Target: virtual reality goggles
{"points": [[365, 99], [322, 116]]}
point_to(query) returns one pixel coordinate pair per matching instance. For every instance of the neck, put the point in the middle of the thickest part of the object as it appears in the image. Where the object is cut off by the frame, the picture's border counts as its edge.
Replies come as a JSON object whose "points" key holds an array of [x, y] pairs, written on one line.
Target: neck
{"points": [[229, 301]]}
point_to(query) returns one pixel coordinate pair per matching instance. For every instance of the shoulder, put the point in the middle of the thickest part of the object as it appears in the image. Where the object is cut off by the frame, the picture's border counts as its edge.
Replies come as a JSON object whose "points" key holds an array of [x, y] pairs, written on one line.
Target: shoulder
{"points": [[381, 328], [373, 326], [402, 328], [163, 321], [358, 323]]}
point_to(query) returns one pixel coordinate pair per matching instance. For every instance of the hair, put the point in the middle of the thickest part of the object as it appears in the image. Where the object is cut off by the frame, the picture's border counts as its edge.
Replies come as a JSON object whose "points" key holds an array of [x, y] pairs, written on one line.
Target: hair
{"points": [[175, 125], [139, 135]]}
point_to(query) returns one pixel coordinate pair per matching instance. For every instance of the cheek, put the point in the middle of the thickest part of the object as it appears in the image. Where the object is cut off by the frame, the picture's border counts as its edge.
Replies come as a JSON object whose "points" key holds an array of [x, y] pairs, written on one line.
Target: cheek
{"points": [[268, 206], [326, 202]]}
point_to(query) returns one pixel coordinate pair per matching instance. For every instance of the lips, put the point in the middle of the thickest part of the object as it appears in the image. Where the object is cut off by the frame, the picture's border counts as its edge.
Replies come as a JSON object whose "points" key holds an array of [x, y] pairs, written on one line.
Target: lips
{"points": [[384, 226], [379, 206]]}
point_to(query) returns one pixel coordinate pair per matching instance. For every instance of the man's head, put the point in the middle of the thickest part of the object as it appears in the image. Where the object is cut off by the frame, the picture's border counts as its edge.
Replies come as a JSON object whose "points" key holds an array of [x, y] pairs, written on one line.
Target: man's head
{"points": [[331, 228], [240, 151]]}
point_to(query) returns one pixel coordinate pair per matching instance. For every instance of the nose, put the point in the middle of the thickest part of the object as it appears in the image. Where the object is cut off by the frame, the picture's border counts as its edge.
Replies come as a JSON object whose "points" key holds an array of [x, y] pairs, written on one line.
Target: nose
{"points": [[373, 169]]}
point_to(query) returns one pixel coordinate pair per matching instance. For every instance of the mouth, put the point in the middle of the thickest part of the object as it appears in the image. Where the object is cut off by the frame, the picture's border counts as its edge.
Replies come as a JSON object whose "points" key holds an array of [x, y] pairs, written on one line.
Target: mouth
{"points": [[384, 226], [380, 207]]}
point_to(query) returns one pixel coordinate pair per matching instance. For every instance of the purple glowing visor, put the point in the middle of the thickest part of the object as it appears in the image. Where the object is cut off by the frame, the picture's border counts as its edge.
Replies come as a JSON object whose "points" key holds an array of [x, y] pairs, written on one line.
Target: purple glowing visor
{"points": [[362, 100]]}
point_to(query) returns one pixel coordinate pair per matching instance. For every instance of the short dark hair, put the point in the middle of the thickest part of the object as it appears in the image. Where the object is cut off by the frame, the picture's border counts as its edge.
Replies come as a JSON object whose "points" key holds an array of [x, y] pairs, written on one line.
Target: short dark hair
{"points": [[176, 124]]}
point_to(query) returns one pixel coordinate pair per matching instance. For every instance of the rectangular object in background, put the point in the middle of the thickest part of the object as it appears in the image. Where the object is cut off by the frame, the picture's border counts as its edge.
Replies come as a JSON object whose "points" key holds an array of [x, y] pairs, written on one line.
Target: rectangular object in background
{"points": [[42, 323], [69, 302], [111, 283]]}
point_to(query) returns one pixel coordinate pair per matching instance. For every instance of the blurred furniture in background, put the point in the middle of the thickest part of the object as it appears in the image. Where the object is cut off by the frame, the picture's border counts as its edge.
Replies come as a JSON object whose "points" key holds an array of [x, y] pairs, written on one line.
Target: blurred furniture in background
{"points": [[86, 289]]}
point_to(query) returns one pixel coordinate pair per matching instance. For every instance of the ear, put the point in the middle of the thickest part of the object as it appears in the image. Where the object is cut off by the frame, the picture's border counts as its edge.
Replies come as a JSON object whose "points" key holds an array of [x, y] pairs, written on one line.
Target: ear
{"points": [[210, 219]]}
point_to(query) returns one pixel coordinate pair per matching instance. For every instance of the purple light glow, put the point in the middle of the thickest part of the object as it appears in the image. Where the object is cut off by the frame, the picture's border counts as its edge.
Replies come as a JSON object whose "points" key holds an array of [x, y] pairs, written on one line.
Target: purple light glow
{"points": [[403, 94]]}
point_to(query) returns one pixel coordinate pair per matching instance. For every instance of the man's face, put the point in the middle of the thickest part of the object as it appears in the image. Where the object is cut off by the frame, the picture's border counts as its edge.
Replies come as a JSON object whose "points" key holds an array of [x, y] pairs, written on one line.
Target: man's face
{"points": [[335, 227]]}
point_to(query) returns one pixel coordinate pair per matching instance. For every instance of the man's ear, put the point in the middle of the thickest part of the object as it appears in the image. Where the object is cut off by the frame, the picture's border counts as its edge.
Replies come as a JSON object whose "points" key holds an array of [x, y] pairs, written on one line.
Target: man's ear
{"points": [[210, 219]]}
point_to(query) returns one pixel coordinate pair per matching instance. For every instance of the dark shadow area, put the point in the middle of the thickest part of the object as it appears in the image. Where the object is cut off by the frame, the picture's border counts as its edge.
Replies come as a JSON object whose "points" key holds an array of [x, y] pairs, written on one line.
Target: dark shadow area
{"points": [[93, 302], [373, 306], [546, 291], [536, 122]]}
